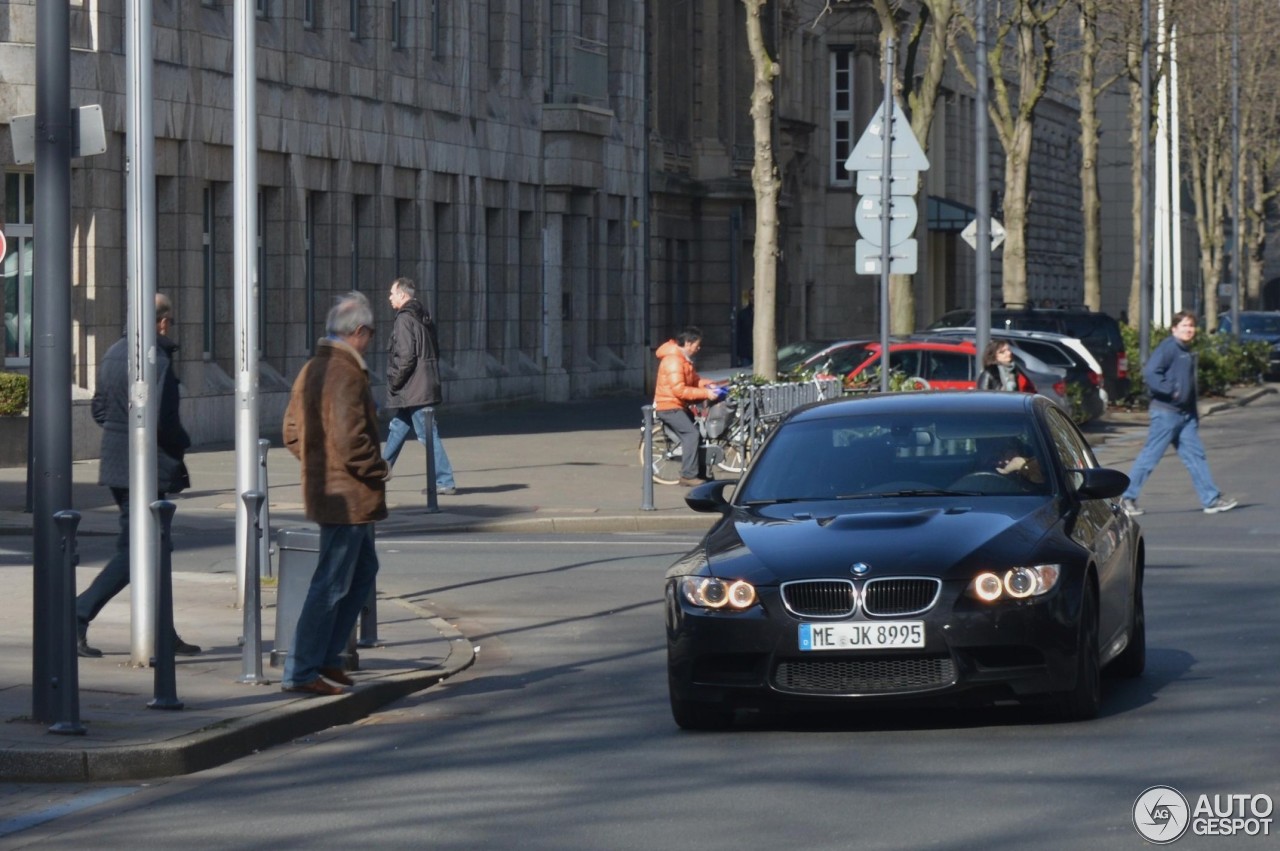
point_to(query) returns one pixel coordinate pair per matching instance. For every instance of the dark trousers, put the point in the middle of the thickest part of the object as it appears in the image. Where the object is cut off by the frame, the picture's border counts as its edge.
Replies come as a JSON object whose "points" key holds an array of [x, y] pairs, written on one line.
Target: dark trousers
{"points": [[114, 577], [681, 422]]}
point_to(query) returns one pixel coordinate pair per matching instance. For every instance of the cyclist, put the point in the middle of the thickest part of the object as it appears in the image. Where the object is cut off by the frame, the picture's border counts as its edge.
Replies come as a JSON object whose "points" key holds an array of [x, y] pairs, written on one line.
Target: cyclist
{"points": [[678, 387]]}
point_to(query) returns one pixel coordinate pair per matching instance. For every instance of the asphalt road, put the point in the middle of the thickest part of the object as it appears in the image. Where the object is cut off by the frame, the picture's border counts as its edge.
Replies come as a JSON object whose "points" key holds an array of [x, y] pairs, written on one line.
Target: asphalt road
{"points": [[560, 736]]}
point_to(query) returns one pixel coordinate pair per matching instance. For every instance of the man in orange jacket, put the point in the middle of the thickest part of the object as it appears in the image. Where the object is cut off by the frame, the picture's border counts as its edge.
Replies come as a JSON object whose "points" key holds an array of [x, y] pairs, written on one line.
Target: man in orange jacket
{"points": [[678, 386]]}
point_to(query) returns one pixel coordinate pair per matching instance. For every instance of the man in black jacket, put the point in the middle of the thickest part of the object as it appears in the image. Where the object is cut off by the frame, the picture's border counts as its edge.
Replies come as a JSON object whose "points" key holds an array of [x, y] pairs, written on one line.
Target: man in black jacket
{"points": [[111, 411], [413, 381]]}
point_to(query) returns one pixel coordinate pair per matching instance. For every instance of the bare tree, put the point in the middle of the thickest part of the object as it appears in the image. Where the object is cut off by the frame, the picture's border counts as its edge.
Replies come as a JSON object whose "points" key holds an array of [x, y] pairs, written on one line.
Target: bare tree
{"points": [[1096, 75], [765, 182], [1204, 42], [1019, 82], [1260, 138]]}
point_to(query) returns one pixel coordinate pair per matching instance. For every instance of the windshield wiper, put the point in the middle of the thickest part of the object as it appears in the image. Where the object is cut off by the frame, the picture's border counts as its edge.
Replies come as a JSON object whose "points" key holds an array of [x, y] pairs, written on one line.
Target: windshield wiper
{"points": [[914, 492], [785, 499]]}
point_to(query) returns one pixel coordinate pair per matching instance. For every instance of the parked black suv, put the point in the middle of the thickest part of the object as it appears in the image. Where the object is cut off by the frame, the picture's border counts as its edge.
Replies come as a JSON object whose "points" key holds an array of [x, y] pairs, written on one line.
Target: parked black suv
{"points": [[1099, 332]]}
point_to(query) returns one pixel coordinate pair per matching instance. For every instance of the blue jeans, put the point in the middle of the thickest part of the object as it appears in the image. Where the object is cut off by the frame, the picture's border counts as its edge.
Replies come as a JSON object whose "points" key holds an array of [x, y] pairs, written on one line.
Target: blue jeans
{"points": [[416, 419], [1183, 432], [345, 572]]}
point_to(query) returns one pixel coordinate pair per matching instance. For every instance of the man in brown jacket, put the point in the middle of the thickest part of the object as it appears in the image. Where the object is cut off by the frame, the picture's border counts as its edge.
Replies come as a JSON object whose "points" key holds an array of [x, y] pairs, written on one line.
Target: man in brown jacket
{"points": [[331, 427]]}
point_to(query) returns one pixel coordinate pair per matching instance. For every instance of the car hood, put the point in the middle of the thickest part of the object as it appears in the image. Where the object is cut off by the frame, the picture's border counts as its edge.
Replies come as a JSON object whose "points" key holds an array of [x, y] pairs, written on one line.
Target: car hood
{"points": [[780, 543]]}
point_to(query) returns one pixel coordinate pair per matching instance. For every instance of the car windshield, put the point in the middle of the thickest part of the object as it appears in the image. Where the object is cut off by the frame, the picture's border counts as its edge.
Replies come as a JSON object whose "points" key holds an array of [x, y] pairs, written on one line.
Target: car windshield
{"points": [[864, 458], [1262, 325], [792, 355]]}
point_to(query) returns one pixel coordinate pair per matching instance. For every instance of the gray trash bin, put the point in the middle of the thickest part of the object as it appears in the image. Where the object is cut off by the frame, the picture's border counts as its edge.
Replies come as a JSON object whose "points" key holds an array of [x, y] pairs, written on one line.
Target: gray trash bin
{"points": [[299, 551]]}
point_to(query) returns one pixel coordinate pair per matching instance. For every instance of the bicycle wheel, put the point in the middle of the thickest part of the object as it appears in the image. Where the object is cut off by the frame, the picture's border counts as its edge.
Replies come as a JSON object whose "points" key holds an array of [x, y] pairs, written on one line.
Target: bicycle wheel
{"points": [[666, 458], [735, 458]]}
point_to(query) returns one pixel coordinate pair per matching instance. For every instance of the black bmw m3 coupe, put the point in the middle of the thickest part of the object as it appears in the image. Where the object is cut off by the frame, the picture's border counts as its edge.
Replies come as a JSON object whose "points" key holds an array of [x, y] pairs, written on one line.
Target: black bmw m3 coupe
{"points": [[904, 548]]}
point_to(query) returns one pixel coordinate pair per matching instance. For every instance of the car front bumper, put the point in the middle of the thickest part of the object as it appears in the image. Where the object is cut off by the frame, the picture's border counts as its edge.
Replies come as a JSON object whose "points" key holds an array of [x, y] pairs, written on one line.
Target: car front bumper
{"points": [[752, 659]]}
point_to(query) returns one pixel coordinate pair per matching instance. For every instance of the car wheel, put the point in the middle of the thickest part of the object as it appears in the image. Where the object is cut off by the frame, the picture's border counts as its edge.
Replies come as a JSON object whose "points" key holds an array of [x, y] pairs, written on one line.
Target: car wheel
{"points": [[1084, 700], [698, 715], [1132, 661]]}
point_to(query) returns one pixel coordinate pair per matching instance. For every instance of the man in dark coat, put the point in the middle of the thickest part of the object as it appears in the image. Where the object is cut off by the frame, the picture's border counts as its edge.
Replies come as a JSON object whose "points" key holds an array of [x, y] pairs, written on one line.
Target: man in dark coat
{"points": [[111, 411], [413, 381]]}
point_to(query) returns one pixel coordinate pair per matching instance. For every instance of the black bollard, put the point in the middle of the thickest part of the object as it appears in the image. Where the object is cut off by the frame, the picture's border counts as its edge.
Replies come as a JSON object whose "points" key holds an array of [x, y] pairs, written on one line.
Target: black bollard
{"points": [[251, 650], [646, 486], [67, 685], [264, 514], [165, 688], [433, 506], [369, 618]]}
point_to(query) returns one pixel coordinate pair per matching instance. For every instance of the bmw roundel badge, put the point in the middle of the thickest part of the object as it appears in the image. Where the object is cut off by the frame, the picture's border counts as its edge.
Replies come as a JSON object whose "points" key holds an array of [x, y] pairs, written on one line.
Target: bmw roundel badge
{"points": [[860, 569]]}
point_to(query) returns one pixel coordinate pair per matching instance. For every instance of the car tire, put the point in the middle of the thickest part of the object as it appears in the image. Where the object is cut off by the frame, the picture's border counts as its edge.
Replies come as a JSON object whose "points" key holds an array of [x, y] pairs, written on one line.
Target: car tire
{"points": [[1132, 661], [699, 715], [1082, 701]]}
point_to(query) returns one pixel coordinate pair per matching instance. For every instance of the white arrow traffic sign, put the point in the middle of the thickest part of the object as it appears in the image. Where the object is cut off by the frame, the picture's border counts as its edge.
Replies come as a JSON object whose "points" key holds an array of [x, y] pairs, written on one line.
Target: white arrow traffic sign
{"points": [[906, 153], [970, 234]]}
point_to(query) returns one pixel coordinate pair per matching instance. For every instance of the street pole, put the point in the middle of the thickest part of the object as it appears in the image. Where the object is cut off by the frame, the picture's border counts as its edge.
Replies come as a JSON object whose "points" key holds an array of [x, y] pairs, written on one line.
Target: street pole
{"points": [[1237, 214], [1144, 224], [245, 191], [982, 193], [140, 231], [886, 211], [53, 637]]}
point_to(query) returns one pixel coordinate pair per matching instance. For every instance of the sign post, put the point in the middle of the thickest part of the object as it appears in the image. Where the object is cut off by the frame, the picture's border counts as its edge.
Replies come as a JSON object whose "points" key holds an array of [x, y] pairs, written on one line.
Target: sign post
{"points": [[888, 161]]}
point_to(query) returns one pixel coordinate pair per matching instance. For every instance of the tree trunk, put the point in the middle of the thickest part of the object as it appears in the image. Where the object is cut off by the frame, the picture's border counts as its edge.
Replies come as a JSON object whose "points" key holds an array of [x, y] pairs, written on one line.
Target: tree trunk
{"points": [[1090, 203], [764, 179]]}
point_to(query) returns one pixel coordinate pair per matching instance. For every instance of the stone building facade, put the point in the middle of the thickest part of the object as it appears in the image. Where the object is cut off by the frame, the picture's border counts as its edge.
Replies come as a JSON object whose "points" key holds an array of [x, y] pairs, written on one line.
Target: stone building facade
{"points": [[495, 151], [489, 149]]}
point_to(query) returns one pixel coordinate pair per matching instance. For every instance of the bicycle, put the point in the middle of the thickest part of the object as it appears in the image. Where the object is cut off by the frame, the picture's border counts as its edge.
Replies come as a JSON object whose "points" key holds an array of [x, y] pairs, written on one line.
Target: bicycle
{"points": [[722, 438]]}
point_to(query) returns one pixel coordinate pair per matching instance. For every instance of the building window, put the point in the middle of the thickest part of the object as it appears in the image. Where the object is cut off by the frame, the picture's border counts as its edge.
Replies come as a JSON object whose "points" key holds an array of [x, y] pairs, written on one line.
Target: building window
{"points": [[263, 8], [209, 270], [309, 13], [309, 273], [435, 27], [841, 114], [261, 271], [354, 17], [19, 231], [397, 23]]}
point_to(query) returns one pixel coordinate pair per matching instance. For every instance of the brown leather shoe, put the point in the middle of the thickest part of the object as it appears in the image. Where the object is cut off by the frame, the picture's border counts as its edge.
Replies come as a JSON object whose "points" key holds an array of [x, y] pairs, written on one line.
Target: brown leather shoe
{"points": [[337, 675], [696, 480], [317, 686]]}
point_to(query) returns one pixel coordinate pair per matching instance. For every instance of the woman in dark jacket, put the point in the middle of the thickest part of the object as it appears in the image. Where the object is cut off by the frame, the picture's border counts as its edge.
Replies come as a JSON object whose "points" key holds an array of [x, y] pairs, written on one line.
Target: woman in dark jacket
{"points": [[1001, 372]]}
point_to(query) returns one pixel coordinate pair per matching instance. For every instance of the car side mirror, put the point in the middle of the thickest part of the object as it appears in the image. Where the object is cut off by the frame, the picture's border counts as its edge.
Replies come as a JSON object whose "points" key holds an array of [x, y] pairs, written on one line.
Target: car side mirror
{"points": [[709, 497], [1101, 483]]}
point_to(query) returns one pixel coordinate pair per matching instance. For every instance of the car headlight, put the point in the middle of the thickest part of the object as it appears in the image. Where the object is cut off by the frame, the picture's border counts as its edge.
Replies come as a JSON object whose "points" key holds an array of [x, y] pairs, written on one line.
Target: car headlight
{"points": [[710, 592], [1017, 583]]}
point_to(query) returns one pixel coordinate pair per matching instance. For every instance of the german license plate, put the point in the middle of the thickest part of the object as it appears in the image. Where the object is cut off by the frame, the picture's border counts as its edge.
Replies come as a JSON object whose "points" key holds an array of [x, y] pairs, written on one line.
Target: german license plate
{"points": [[862, 636]]}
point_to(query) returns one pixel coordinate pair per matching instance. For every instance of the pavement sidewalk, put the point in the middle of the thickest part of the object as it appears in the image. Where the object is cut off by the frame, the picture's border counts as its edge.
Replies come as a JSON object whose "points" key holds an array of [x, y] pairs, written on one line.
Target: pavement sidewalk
{"points": [[546, 468]]}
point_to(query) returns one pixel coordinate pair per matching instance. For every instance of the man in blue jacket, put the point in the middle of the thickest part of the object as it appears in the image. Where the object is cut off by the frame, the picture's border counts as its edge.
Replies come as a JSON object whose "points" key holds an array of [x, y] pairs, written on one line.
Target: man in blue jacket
{"points": [[1170, 374]]}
